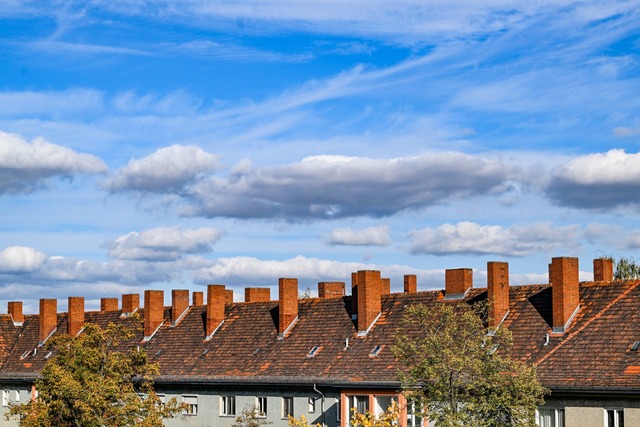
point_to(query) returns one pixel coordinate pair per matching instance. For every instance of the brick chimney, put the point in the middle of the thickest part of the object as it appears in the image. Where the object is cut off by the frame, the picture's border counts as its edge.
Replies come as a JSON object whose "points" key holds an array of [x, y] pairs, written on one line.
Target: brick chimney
{"points": [[497, 291], [257, 294], [410, 283], [15, 310], [287, 305], [457, 282], [331, 289], [354, 295], [385, 286], [603, 270], [130, 303], [75, 316], [48, 318], [565, 291], [108, 304], [153, 312], [179, 304], [228, 296], [198, 298], [216, 296], [369, 302]]}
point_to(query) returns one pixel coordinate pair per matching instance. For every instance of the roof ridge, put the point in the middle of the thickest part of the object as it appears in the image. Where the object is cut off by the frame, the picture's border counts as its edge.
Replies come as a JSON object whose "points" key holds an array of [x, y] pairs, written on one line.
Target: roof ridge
{"points": [[588, 322]]}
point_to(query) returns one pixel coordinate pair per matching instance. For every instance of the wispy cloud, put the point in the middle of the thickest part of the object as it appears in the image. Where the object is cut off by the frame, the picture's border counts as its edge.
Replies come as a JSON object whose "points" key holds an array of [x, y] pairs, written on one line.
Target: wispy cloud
{"points": [[475, 239], [371, 236]]}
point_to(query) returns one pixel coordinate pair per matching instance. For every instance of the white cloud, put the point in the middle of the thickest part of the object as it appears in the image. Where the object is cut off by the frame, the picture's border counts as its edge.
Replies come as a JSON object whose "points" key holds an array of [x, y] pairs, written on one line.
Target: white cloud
{"points": [[625, 131], [371, 236], [167, 169], [473, 238], [340, 186], [598, 181], [19, 259], [163, 243], [27, 166], [50, 103]]}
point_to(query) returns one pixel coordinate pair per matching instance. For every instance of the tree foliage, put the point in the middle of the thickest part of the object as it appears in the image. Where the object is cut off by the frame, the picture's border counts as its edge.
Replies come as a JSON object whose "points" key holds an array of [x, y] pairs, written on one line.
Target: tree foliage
{"points": [[626, 269], [250, 417], [94, 380], [389, 418], [461, 373]]}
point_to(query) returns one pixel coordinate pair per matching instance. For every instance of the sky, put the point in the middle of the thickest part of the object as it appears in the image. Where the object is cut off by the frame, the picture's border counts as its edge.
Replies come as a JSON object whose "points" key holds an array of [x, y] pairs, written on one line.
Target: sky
{"points": [[172, 144]]}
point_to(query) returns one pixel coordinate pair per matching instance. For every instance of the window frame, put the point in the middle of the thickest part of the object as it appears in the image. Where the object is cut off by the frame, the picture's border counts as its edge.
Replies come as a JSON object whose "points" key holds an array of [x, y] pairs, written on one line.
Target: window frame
{"points": [[312, 405], [558, 416], [618, 415], [287, 407], [227, 405], [261, 406], [191, 400]]}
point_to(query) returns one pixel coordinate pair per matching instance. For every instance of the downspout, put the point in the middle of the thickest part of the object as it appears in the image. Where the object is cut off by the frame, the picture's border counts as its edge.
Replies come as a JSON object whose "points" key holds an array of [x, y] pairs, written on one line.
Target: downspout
{"points": [[321, 403]]}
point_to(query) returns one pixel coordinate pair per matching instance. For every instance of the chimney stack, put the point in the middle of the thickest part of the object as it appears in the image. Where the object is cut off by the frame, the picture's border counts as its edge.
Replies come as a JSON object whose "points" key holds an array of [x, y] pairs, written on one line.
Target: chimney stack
{"points": [[15, 310], [130, 303], [369, 301], [331, 289], [108, 304], [603, 270], [457, 282], [257, 294], [565, 291], [385, 286], [48, 318], [75, 316], [216, 296], [198, 298], [354, 295], [287, 305], [179, 304], [497, 291], [228, 296], [153, 312], [410, 283]]}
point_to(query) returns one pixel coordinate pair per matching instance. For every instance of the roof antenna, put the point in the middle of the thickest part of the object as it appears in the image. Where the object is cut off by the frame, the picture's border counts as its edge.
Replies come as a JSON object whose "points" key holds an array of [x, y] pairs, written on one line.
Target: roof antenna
{"points": [[546, 339]]}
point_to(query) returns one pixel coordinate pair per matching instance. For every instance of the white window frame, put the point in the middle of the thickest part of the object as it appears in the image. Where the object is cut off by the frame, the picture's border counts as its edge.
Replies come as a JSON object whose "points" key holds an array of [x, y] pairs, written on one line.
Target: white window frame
{"points": [[227, 406], [5, 397], [557, 414], [312, 405], [261, 407], [414, 419], [618, 413], [191, 400], [287, 401], [338, 409]]}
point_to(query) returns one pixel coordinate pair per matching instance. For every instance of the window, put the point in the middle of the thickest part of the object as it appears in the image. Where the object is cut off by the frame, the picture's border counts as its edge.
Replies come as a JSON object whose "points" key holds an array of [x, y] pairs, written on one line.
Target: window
{"points": [[312, 405], [5, 398], [550, 417], [261, 406], [414, 414], [614, 418], [162, 400], [287, 407], [383, 403], [338, 409], [360, 403], [16, 396], [227, 405], [191, 403]]}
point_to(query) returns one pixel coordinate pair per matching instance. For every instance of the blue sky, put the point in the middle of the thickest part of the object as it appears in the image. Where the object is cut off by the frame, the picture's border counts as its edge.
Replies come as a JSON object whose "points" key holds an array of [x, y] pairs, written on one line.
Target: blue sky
{"points": [[172, 144]]}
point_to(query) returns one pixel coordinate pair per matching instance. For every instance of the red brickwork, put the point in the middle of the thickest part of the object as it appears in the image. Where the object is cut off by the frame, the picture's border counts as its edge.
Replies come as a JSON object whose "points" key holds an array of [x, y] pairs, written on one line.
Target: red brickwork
{"points": [[385, 286], [216, 299], [179, 303], [354, 293], [153, 311], [288, 303], [497, 291], [602, 270], [15, 310], [108, 304], [75, 319], [369, 301], [48, 318], [410, 283], [198, 298], [130, 303], [257, 294], [228, 296], [564, 290], [458, 281], [331, 289]]}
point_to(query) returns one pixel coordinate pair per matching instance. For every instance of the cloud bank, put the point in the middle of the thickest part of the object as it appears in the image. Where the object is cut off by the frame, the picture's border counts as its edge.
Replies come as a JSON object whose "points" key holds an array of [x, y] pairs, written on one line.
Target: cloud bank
{"points": [[371, 236]]}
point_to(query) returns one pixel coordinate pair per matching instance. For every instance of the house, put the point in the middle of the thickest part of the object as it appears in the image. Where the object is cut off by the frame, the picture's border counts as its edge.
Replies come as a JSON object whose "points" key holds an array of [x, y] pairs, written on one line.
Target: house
{"points": [[319, 357]]}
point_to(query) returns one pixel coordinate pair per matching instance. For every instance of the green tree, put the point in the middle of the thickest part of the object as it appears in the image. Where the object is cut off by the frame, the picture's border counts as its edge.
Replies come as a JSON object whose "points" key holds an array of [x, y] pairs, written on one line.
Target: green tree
{"points": [[461, 373], [250, 417], [95, 380], [626, 269]]}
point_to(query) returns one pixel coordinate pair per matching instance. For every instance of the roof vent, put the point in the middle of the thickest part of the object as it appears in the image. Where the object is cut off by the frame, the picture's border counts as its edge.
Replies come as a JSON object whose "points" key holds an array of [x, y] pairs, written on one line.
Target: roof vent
{"points": [[375, 351], [635, 346], [48, 355], [313, 351], [257, 351], [205, 351]]}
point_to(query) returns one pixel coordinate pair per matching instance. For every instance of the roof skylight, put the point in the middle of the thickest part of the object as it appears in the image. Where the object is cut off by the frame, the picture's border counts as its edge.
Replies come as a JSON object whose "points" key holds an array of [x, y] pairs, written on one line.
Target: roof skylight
{"points": [[375, 351], [313, 351]]}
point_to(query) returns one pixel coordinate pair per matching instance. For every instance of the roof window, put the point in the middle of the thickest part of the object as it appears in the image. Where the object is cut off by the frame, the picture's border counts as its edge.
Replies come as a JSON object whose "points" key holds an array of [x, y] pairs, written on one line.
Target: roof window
{"points": [[313, 351], [375, 351], [635, 346]]}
